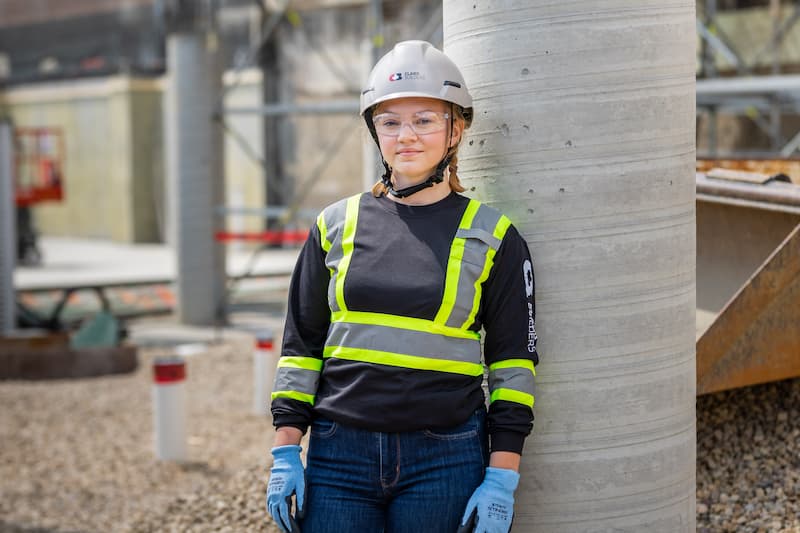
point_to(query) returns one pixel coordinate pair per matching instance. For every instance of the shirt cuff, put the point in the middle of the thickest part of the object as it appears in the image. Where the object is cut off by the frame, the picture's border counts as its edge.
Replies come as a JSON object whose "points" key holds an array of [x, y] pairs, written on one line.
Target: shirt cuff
{"points": [[507, 441]]}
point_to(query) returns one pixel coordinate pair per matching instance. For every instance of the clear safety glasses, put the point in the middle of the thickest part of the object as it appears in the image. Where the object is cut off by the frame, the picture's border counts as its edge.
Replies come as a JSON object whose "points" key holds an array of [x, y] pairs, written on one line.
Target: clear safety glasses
{"points": [[421, 123]]}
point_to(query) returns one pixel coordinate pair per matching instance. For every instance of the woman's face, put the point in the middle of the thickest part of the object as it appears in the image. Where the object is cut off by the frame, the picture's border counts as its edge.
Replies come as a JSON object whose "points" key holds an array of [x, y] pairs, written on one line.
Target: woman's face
{"points": [[413, 155]]}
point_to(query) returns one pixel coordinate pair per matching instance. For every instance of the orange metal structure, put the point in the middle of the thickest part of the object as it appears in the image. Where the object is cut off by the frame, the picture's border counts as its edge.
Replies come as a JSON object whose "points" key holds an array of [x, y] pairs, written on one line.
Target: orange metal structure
{"points": [[748, 273], [756, 337]]}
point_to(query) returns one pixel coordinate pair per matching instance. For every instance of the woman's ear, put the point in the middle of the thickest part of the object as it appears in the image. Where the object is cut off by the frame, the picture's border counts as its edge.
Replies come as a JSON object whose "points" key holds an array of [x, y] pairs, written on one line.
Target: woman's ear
{"points": [[458, 131]]}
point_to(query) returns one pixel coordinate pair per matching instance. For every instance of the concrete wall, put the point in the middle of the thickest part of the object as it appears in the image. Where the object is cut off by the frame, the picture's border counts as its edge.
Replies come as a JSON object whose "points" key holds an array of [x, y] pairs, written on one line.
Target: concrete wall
{"points": [[112, 148], [114, 160]]}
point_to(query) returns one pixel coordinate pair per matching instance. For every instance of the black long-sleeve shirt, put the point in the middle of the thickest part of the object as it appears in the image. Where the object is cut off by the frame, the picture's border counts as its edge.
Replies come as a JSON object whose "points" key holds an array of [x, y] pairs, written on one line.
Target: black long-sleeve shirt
{"points": [[398, 267]]}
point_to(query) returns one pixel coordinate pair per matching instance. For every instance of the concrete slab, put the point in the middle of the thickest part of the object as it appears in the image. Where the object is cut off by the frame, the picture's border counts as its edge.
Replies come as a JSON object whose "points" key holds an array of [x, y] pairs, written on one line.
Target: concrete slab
{"points": [[70, 262]]}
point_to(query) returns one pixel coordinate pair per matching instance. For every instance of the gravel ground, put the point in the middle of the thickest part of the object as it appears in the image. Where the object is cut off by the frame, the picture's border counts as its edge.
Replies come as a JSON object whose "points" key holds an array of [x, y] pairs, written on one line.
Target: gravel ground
{"points": [[748, 459], [77, 456]]}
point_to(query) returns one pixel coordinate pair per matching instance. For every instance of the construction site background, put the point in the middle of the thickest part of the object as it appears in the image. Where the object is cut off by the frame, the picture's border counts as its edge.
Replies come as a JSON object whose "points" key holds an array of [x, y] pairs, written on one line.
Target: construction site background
{"points": [[113, 122], [109, 102]]}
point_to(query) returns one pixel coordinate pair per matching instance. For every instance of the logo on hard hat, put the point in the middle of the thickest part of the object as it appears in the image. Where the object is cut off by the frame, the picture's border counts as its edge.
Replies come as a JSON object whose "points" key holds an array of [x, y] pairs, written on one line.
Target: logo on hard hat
{"points": [[397, 76]]}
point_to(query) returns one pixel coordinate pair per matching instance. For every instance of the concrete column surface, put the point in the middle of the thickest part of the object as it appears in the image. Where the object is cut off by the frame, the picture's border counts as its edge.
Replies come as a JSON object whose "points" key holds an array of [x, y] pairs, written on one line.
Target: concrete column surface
{"points": [[8, 233], [195, 184], [584, 136]]}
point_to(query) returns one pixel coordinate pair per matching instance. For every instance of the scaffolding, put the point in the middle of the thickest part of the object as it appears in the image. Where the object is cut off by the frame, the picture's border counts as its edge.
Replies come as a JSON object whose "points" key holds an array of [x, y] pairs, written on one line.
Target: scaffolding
{"points": [[757, 87]]}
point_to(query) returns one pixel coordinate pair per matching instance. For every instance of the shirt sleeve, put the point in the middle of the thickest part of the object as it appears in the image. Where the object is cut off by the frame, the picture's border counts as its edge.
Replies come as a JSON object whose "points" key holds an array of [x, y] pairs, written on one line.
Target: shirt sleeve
{"points": [[307, 322], [509, 315]]}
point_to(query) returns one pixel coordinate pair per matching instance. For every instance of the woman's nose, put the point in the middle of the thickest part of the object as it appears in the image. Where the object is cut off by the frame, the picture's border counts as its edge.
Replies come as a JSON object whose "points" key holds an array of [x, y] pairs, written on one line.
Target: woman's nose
{"points": [[406, 132]]}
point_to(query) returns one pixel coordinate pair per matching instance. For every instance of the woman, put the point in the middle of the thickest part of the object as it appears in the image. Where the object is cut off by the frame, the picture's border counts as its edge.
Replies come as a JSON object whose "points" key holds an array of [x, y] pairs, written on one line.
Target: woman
{"points": [[381, 350]]}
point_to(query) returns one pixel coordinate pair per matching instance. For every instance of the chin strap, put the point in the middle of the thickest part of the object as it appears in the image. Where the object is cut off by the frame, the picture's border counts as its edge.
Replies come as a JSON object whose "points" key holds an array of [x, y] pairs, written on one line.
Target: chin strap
{"points": [[436, 177]]}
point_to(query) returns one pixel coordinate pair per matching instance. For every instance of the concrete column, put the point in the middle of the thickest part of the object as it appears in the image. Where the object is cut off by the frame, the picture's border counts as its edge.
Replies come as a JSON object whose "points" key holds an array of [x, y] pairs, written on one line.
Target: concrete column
{"points": [[584, 136], [195, 181], [8, 234]]}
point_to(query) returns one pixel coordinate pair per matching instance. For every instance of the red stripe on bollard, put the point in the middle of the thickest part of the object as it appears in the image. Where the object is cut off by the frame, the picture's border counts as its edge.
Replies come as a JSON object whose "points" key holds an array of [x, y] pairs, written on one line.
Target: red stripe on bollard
{"points": [[169, 371], [264, 344]]}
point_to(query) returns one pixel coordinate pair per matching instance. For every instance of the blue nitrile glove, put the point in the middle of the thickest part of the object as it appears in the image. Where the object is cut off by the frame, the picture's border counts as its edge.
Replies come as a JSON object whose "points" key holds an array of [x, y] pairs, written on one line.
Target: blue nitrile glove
{"points": [[286, 478], [491, 507]]}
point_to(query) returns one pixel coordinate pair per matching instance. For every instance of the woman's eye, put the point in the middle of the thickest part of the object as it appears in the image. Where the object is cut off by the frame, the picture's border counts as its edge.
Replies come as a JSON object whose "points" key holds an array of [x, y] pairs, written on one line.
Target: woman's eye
{"points": [[423, 121], [390, 123]]}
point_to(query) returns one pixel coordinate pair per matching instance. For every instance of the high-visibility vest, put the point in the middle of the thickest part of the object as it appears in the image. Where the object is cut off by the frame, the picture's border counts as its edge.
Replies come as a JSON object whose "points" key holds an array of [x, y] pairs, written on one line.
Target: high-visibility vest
{"points": [[444, 344]]}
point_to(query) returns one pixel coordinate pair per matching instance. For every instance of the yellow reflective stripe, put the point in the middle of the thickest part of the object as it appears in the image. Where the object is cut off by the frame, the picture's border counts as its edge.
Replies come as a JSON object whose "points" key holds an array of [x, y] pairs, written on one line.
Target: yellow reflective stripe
{"points": [[308, 398], [502, 227], [348, 237], [403, 360], [511, 395], [500, 230], [402, 322], [323, 233], [308, 363], [513, 363], [454, 265]]}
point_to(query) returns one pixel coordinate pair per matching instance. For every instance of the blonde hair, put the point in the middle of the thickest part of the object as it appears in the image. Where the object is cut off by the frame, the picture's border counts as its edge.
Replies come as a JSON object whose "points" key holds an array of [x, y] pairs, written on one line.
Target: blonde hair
{"points": [[379, 189]]}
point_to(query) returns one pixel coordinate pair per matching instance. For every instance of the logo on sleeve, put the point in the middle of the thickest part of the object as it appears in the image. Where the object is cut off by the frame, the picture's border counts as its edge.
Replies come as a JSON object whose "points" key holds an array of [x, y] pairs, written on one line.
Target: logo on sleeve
{"points": [[527, 271]]}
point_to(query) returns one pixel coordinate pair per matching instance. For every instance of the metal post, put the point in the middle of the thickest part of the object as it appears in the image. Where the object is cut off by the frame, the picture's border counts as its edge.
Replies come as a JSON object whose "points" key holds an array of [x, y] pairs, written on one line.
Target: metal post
{"points": [[709, 63], [373, 51], [775, 14], [376, 16], [775, 110], [195, 178], [604, 192], [8, 233], [275, 156], [712, 131]]}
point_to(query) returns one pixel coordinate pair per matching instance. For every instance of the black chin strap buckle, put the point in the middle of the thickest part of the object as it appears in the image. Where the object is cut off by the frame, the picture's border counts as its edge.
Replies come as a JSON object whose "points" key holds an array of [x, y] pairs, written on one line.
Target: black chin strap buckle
{"points": [[436, 177], [408, 191]]}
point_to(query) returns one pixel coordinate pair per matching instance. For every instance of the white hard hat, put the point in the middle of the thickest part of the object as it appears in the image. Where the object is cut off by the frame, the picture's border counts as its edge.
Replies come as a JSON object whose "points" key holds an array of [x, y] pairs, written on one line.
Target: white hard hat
{"points": [[416, 68]]}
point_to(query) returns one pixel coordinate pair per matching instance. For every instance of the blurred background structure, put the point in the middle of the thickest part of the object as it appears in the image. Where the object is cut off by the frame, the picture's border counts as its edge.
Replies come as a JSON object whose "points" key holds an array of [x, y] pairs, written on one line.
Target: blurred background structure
{"points": [[151, 140]]}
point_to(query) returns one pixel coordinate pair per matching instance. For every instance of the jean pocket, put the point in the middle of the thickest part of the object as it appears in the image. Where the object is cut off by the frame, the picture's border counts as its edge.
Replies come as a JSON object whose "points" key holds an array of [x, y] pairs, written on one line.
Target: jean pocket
{"points": [[460, 432], [323, 428]]}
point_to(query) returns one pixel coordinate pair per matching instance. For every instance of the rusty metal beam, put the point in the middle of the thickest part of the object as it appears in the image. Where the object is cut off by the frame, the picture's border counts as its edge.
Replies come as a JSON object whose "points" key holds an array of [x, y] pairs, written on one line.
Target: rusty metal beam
{"points": [[756, 337]]}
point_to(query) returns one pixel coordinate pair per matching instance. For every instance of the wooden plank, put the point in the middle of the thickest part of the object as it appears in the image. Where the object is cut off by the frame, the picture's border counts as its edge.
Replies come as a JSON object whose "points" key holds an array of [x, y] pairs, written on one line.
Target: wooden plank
{"points": [[18, 361], [756, 337]]}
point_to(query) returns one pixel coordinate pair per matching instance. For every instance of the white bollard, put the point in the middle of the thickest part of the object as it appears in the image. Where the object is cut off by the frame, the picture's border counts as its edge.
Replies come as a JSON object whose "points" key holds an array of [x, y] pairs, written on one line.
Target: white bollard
{"points": [[264, 363], [169, 408]]}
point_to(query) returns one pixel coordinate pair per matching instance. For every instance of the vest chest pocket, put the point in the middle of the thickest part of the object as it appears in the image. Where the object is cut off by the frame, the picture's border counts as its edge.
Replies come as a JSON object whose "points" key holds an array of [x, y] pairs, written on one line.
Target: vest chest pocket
{"points": [[477, 243]]}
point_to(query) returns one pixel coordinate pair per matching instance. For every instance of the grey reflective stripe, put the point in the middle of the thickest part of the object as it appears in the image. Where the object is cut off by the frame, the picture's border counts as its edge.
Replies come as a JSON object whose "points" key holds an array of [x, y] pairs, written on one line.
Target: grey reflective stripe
{"points": [[334, 217], [296, 380], [478, 240], [403, 341], [483, 235], [516, 378]]}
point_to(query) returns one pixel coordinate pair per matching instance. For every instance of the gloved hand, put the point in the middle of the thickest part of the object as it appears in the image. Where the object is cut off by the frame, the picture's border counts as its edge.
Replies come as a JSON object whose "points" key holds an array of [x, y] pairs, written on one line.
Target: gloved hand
{"points": [[491, 507], [287, 477]]}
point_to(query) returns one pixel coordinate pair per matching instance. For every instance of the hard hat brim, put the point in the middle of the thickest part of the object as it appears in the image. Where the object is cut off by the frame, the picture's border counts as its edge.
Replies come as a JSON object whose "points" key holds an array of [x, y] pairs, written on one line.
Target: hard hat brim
{"points": [[406, 94]]}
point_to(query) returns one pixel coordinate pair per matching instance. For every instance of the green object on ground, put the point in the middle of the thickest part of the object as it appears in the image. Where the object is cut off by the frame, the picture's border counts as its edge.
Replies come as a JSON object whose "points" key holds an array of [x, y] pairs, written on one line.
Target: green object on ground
{"points": [[101, 331]]}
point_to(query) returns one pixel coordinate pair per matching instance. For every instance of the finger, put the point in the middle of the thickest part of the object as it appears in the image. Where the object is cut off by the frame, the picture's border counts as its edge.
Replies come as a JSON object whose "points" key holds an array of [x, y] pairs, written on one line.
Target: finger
{"points": [[293, 527], [283, 516], [469, 511], [282, 525], [300, 493]]}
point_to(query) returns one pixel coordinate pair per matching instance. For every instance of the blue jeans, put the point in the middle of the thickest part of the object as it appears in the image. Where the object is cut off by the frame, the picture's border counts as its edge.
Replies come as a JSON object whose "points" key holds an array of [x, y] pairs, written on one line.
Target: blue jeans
{"points": [[414, 482]]}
